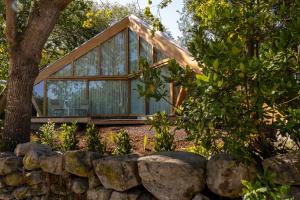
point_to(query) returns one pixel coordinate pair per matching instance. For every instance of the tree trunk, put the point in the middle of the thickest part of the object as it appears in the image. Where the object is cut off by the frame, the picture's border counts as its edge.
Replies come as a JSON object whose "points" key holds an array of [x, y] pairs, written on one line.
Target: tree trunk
{"points": [[18, 111]]}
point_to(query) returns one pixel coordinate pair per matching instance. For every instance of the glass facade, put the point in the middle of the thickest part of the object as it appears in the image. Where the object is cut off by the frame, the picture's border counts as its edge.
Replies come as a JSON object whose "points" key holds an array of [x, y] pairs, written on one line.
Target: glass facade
{"points": [[101, 87]]}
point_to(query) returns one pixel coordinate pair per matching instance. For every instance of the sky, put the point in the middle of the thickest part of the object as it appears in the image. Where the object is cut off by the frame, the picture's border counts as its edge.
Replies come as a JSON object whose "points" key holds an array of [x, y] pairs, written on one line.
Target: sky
{"points": [[169, 15]]}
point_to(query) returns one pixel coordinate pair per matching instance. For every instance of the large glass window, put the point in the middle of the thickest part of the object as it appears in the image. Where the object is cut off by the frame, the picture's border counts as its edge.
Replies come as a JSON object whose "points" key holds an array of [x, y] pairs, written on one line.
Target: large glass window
{"points": [[66, 71], [145, 50], [113, 56], [133, 51], [88, 65], [38, 96], [159, 55], [67, 98], [108, 97], [137, 102]]}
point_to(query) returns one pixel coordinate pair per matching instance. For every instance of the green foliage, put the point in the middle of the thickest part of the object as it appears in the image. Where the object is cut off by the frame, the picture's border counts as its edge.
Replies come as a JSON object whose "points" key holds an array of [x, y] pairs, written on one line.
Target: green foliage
{"points": [[263, 188], [122, 141], [93, 140], [163, 138], [68, 137], [248, 94], [48, 134]]}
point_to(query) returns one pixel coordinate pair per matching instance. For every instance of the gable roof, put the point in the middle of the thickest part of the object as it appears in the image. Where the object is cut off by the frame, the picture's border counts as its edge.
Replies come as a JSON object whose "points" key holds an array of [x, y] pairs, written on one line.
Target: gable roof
{"points": [[160, 41]]}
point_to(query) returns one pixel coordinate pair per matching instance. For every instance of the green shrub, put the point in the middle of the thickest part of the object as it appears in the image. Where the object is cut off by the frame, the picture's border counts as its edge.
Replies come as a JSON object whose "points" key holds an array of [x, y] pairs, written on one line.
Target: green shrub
{"points": [[68, 137], [163, 138], [122, 141], [92, 139], [47, 134], [263, 188]]}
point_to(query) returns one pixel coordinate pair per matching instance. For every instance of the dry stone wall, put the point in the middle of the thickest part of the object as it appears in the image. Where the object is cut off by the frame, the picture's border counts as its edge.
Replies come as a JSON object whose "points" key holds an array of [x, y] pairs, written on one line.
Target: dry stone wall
{"points": [[37, 172]]}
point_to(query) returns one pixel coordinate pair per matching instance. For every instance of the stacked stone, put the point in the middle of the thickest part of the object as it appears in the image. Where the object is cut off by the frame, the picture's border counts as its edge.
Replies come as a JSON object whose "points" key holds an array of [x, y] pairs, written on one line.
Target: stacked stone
{"points": [[37, 172]]}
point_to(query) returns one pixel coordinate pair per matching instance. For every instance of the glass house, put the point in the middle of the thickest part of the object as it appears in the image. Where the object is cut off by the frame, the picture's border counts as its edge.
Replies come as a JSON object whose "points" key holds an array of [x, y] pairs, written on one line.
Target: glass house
{"points": [[95, 81]]}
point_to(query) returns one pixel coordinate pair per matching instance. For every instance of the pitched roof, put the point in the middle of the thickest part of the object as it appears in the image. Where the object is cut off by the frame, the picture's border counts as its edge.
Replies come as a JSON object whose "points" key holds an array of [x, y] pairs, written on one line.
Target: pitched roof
{"points": [[160, 41]]}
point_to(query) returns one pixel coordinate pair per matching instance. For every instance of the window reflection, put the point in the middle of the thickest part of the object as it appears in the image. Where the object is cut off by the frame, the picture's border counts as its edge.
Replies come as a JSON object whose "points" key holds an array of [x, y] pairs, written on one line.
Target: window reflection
{"points": [[67, 98], [145, 50], [38, 95], [133, 51], [64, 72], [108, 97], [113, 56], [88, 65]]}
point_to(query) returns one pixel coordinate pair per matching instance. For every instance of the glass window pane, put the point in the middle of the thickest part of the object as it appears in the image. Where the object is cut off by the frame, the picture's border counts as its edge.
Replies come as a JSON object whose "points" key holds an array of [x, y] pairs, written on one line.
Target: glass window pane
{"points": [[38, 95], [162, 104], [137, 102], [133, 51], [113, 56], [64, 72], [159, 55], [108, 97], [67, 98], [88, 65], [145, 50]]}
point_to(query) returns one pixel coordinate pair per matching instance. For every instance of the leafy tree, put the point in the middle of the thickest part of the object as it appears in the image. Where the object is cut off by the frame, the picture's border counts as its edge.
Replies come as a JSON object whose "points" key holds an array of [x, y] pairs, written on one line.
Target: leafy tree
{"points": [[248, 93]]}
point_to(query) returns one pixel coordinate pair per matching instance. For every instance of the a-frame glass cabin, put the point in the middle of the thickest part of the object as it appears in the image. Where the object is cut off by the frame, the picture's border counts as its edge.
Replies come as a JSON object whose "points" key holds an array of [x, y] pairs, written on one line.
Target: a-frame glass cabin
{"points": [[95, 80]]}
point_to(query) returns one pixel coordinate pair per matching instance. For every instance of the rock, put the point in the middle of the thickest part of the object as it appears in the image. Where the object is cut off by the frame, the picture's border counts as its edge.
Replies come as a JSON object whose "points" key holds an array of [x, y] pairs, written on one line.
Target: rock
{"points": [[286, 168], [24, 148], [21, 192], [79, 162], [31, 160], [2, 183], [146, 196], [118, 172], [14, 179], [93, 180], [224, 175], [200, 197], [35, 177], [173, 175], [60, 189], [295, 193], [79, 185], [39, 189], [53, 164], [9, 164], [6, 196], [99, 193], [129, 195]]}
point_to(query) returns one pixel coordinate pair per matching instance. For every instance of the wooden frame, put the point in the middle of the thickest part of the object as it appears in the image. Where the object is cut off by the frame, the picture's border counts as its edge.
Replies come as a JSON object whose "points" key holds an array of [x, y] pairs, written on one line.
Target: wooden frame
{"points": [[158, 41]]}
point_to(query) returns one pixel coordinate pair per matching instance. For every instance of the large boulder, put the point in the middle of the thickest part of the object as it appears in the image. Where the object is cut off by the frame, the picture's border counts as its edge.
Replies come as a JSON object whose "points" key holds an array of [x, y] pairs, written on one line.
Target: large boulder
{"points": [[118, 172], [14, 179], [200, 197], [99, 193], [79, 162], [33, 153], [129, 195], [53, 164], [93, 180], [35, 177], [24, 148], [225, 175], [79, 185], [9, 163], [173, 175], [286, 168]]}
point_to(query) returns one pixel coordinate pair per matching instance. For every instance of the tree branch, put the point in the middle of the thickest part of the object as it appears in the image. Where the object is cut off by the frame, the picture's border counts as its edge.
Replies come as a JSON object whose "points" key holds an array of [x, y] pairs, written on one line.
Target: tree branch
{"points": [[11, 23], [42, 20]]}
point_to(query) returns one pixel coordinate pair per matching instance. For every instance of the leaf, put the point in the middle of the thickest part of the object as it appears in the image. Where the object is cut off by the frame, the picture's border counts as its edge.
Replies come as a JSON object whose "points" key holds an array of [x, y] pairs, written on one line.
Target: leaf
{"points": [[235, 50], [202, 77], [216, 64], [242, 67]]}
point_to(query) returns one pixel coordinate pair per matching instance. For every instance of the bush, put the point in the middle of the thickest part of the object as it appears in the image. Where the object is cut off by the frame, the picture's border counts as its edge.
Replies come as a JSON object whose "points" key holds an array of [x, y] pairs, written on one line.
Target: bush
{"points": [[163, 139], [68, 137], [122, 141], [93, 141], [47, 134], [263, 188]]}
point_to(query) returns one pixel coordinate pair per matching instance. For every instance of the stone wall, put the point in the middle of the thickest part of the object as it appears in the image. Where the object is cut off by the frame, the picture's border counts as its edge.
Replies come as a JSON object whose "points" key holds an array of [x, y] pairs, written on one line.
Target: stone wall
{"points": [[36, 172]]}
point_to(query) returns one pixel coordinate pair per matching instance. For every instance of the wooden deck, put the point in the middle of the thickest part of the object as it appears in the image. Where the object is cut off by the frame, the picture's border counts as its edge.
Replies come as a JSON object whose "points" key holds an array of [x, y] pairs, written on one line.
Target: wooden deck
{"points": [[85, 120]]}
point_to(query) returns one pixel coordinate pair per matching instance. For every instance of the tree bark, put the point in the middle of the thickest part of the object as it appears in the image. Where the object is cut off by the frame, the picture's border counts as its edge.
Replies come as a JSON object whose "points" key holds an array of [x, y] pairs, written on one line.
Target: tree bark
{"points": [[25, 50]]}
